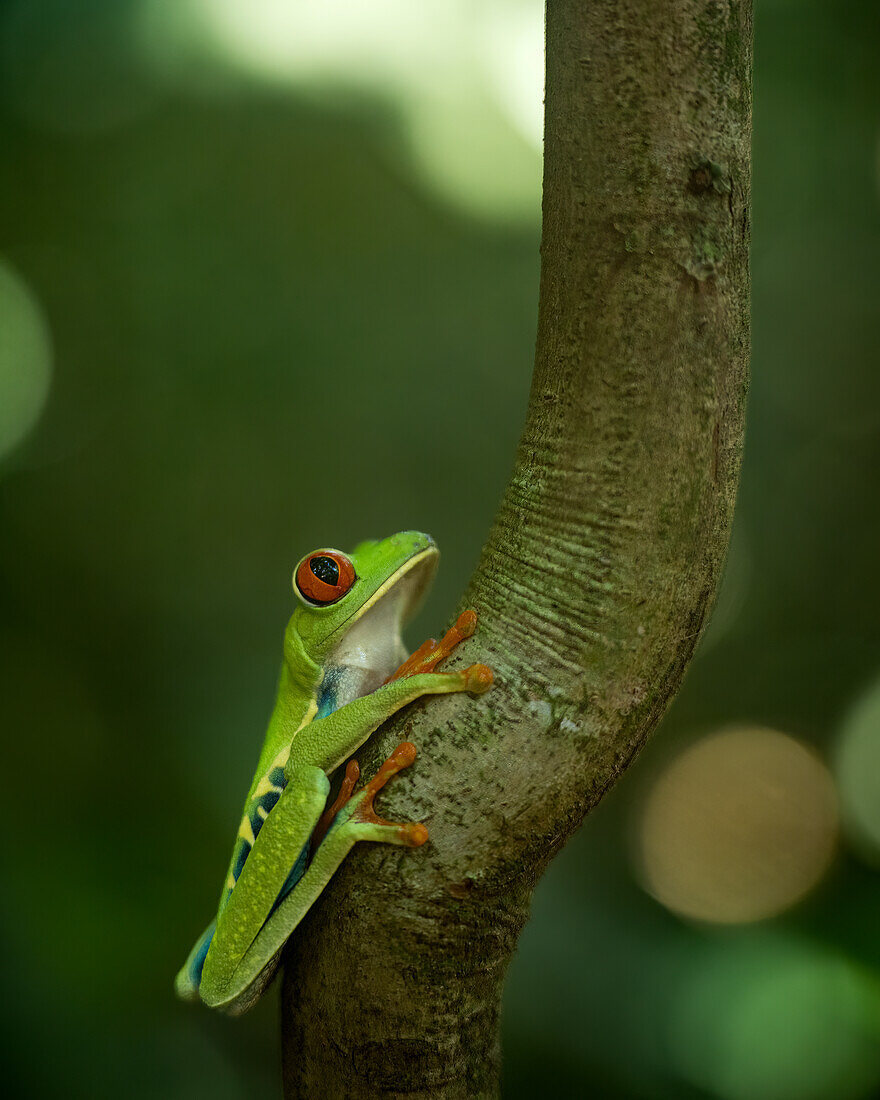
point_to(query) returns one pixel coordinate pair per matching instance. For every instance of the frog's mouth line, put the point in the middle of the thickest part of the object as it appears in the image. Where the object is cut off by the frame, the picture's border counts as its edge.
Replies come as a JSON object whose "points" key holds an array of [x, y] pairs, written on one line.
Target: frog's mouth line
{"points": [[372, 639]]}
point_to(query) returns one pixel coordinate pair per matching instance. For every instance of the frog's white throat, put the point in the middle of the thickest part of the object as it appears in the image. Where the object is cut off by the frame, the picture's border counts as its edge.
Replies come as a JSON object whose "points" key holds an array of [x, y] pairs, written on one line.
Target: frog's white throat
{"points": [[372, 648]]}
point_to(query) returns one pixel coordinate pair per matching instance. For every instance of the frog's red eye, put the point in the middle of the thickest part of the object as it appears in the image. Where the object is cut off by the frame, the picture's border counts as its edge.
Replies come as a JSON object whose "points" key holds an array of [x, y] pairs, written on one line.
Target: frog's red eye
{"points": [[324, 576]]}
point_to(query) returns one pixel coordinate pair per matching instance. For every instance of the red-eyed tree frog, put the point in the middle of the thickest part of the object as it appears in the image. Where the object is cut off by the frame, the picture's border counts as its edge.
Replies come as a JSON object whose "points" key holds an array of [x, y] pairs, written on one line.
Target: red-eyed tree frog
{"points": [[341, 678]]}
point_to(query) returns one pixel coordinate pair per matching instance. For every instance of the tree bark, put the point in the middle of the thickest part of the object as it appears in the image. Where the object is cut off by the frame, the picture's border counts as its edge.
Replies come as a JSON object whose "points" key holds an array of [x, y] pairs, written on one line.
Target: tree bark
{"points": [[599, 570]]}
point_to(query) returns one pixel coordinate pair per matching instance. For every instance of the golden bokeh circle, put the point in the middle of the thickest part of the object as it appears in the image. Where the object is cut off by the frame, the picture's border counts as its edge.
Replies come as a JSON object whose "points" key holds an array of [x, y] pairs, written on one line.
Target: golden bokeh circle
{"points": [[738, 827]]}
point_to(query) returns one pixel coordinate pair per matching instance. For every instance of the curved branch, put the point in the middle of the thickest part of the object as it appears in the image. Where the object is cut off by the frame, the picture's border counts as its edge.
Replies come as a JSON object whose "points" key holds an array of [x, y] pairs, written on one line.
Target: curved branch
{"points": [[601, 565]]}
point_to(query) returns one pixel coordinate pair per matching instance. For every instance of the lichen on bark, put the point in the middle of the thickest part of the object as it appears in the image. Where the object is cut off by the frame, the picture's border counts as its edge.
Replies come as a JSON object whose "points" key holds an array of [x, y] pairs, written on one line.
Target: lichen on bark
{"points": [[598, 572]]}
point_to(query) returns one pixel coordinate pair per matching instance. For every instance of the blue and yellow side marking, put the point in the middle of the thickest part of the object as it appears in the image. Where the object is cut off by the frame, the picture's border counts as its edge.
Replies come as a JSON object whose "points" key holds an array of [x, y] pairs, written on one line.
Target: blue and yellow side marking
{"points": [[265, 798]]}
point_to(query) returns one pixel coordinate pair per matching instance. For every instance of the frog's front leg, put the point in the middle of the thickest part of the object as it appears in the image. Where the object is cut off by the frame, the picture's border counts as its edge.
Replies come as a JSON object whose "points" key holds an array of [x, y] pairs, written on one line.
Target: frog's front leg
{"points": [[331, 740]]}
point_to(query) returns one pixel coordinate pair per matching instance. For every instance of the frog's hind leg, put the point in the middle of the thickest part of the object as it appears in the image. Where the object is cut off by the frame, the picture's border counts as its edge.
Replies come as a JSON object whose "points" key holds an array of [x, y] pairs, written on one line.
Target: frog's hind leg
{"points": [[355, 820]]}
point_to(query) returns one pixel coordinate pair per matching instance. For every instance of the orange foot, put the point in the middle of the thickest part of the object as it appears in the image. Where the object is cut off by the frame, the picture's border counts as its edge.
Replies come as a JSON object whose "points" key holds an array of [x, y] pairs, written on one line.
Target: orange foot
{"points": [[431, 653], [410, 834]]}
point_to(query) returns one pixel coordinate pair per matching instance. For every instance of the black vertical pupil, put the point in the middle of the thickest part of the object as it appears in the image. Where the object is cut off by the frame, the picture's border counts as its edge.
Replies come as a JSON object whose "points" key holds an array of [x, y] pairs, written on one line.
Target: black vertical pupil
{"points": [[325, 569]]}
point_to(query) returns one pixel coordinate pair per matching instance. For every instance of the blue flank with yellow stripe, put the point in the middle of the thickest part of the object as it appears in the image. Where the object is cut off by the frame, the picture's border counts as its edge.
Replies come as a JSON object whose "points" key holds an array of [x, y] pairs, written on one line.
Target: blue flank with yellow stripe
{"points": [[256, 813]]}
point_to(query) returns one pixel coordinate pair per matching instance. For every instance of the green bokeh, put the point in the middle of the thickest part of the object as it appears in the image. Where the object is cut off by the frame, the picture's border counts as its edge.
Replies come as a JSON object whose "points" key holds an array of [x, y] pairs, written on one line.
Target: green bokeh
{"points": [[268, 331]]}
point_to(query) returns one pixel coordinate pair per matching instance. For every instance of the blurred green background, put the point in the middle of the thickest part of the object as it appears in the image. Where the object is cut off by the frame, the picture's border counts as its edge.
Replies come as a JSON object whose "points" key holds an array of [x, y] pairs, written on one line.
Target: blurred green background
{"points": [[268, 279]]}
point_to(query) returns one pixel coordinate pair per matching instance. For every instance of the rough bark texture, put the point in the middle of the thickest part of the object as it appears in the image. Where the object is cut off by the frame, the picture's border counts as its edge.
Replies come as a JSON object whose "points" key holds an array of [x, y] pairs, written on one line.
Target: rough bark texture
{"points": [[600, 568]]}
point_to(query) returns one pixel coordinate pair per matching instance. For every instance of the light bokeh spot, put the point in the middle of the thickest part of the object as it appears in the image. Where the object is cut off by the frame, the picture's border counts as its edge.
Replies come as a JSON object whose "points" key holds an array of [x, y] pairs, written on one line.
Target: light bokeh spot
{"points": [[857, 768], [738, 827], [465, 80], [25, 359]]}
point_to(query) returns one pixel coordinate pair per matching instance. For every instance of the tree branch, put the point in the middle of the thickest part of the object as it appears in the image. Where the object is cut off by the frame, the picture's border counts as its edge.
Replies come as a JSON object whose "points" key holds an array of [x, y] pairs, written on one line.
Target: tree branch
{"points": [[599, 570]]}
